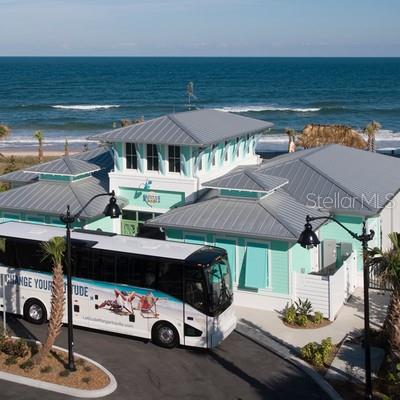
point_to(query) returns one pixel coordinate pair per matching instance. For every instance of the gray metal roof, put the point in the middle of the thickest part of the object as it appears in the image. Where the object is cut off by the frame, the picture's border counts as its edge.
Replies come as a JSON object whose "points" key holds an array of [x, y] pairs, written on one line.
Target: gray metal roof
{"points": [[197, 128], [100, 156], [338, 178], [51, 197], [247, 180], [276, 216], [123, 244], [64, 166]]}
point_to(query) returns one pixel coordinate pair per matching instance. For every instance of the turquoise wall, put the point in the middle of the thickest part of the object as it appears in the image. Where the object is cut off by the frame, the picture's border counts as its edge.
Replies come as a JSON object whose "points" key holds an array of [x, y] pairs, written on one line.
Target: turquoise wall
{"points": [[239, 193], [301, 259], [331, 230], [269, 261], [119, 163], [187, 161], [103, 223]]}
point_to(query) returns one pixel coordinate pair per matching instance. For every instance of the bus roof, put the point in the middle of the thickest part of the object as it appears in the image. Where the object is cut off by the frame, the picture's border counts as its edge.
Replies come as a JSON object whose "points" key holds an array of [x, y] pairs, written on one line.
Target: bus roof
{"points": [[117, 243]]}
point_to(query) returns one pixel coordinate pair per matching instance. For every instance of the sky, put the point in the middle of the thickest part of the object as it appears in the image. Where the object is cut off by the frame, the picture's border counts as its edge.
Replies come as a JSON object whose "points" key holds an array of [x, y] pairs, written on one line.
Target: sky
{"points": [[200, 28]]}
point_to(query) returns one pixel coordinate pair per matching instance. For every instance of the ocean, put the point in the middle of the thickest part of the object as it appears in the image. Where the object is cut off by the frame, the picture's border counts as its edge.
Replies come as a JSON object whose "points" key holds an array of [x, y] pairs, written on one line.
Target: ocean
{"points": [[74, 97]]}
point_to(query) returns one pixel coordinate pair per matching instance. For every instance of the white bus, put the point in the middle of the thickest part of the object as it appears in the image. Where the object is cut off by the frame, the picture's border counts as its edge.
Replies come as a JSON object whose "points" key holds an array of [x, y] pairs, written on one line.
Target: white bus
{"points": [[170, 292]]}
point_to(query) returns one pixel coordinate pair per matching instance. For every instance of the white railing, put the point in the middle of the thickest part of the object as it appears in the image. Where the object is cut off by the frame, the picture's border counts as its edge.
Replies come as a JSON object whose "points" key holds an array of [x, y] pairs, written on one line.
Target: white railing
{"points": [[327, 293]]}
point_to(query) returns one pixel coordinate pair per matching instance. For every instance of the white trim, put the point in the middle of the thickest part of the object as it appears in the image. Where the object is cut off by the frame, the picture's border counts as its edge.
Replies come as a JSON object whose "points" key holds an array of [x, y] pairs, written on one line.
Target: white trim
{"points": [[145, 209], [125, 168], [267, 288]]}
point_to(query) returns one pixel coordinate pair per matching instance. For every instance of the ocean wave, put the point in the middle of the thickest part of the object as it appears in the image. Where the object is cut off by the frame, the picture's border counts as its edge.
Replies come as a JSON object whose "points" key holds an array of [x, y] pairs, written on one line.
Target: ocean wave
{"points": [[86, 107], [24, 141], [240, 109]]}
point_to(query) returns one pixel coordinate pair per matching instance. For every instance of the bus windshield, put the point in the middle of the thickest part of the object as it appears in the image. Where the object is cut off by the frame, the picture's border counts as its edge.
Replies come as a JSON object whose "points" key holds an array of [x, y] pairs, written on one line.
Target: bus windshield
{"points": [[219, 281]]}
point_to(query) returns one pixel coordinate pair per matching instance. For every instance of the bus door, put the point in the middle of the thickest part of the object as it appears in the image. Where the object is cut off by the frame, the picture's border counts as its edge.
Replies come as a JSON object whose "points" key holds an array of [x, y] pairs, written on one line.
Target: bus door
{"points": [[195, 319]]}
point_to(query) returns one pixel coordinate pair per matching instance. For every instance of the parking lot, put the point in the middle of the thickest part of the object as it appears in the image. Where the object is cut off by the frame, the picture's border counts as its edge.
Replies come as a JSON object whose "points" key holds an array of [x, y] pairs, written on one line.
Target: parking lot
{"points": [[238, 369]]}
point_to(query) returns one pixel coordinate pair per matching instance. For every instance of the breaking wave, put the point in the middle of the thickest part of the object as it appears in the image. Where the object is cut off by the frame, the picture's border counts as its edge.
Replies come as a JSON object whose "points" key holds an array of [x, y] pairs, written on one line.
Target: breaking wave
{"points": [[240, 109], [86, 107]]}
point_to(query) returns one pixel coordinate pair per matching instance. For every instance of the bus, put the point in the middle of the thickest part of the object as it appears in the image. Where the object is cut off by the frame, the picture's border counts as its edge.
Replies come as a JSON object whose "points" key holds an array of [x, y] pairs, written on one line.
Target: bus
{"points": [[169, 292]]}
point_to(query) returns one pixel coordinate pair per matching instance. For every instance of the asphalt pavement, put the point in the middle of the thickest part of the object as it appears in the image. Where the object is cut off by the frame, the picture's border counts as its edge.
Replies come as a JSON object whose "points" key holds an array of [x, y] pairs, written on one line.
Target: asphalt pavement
{"points": [[238, 369]]}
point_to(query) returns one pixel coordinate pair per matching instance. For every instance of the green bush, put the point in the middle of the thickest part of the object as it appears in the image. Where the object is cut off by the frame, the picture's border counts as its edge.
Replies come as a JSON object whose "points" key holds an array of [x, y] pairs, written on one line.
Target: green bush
{"points": [[318, 317], [301, 320], [303, 307], [317, 354], [86, 379], [47, 369], [64, 373], [17, 348], [11, 360], [289, 314], [87, 368], [27, 365]]}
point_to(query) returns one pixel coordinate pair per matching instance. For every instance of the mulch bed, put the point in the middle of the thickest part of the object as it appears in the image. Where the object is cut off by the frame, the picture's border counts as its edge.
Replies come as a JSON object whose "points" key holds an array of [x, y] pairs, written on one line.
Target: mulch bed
{"points": [[310, 324], [53, 370]]}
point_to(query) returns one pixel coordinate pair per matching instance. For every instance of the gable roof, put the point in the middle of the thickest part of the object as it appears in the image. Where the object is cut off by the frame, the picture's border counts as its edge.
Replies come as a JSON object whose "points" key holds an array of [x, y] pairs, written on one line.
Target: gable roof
{"points": [[196, 128], [277, 216], [246, 179], [338, 178]]}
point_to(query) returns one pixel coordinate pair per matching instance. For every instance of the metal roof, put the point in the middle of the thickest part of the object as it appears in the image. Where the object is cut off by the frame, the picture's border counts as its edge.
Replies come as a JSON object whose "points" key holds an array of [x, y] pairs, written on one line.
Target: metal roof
{"points": [[338, 178], [65, 166], [100, 156], [52, 197], [246, 180], [196, 128], [276, 216], [123, 244]]}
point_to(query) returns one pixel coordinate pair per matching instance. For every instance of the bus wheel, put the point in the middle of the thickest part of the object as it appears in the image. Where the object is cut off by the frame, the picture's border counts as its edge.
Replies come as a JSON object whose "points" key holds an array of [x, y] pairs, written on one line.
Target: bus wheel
{"points": [[165, 335], [35, 311]]}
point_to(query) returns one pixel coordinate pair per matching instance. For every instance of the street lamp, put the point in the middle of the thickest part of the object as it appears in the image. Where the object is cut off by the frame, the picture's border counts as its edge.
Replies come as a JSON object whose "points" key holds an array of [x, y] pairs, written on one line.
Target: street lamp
{"points": [[309, 239], [112, 210]]}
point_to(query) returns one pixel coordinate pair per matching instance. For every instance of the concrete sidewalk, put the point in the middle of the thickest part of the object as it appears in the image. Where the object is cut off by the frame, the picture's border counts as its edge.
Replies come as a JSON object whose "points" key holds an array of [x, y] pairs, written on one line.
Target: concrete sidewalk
{"points": [[349, 321]]}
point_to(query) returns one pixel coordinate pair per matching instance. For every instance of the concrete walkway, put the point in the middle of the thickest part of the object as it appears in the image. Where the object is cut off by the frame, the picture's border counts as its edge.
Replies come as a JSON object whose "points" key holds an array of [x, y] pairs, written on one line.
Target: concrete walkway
{"points": [[349, 321]]}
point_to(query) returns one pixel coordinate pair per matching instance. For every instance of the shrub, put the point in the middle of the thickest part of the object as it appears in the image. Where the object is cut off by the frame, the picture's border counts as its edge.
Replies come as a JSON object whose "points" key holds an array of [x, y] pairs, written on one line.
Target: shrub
{"points": [[80, 362], [11, 360], [17, 348], [27, 365], [317, 354], [301, 320], [318, 317], [86, 379], [326, 348], [47, 369], [289, 314], [303, 307], [64, 373], [87, 368]]}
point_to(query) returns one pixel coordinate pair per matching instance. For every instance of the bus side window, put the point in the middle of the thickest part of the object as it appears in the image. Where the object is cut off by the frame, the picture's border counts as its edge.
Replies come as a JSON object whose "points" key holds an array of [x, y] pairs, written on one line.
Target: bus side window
{"points": [[82, 263], [125, 269], [146, 273], [30, 255], [170, 279]]}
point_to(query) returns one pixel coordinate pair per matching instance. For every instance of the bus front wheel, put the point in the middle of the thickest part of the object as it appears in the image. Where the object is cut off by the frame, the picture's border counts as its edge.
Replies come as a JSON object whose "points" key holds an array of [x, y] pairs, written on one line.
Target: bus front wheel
{"points": [[35, 311], [165, 335]]}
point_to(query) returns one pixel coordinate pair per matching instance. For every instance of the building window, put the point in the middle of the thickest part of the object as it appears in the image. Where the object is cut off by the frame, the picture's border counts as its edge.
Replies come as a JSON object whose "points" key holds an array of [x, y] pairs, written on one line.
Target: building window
{"points": [[152, 157], [237, 147], [174, 158], [226, 150], [213, 154], [131, 156]]}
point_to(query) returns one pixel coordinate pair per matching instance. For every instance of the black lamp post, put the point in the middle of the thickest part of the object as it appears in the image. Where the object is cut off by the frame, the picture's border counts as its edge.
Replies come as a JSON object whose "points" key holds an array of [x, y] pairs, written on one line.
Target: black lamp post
{"points": [[112, 210], [309, 239]]}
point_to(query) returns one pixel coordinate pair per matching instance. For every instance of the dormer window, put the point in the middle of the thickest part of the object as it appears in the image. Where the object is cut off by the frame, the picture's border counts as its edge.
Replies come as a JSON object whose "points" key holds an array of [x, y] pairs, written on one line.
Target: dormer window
{"points": [[131, 156], [152, 157], [174, 159]]}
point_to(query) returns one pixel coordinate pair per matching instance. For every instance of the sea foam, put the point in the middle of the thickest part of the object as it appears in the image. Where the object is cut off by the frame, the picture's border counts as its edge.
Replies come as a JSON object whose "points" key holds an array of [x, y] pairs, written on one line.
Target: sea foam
{"points": [[239, 109], [86, 107]]}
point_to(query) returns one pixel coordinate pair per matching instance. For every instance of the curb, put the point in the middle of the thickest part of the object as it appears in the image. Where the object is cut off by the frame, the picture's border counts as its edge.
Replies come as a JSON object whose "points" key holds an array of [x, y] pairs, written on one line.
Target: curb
{"points": [[53, 387], [287, 356]]}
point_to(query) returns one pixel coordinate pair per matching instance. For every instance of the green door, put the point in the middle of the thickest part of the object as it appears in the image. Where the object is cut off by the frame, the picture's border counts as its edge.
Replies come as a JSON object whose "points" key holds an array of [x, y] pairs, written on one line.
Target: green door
{"points": [[229, 245], [256, 265]]}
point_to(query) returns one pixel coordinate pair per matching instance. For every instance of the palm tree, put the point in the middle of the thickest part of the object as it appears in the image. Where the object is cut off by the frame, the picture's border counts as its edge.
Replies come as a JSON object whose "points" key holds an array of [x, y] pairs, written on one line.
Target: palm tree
{"points": [[4, 131], [370, 130], [386, 265], [39, 136], [54, 249], [66, 149], [315, 135], [291, 136]]}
